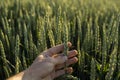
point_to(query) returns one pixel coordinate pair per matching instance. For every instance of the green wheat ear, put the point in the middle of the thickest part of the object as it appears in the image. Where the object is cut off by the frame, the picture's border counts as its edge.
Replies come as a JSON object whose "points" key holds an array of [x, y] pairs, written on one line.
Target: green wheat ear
{"points": [[65, 38], [6, 68], [93, 70], [112, 64], [17, 54]]}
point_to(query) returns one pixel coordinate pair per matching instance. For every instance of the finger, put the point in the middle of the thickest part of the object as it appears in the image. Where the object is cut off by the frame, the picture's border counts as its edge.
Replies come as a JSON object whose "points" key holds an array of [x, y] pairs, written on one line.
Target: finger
{"points": [[61, 72], [72, 53], [69, 62], [56, 49]]}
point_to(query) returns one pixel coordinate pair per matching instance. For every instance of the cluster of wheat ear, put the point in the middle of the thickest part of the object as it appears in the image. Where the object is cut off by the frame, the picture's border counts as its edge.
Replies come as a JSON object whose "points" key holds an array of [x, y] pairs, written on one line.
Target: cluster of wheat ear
{"points": [[28, 27]]}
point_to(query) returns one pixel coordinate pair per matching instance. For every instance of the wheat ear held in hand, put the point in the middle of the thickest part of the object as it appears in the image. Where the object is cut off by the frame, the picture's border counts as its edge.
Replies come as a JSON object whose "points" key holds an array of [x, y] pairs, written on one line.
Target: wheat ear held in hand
{"points": [[65, 46], [65, 31]]}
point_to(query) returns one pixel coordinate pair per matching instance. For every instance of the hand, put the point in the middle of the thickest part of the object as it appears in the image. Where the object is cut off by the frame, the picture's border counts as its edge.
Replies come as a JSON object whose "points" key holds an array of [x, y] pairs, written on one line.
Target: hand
{"points": [[49, 64]]}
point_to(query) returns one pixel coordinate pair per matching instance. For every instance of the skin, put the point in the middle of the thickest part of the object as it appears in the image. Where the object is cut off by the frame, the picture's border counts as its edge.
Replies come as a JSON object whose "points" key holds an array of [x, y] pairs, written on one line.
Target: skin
{"points": [[49, 65]]}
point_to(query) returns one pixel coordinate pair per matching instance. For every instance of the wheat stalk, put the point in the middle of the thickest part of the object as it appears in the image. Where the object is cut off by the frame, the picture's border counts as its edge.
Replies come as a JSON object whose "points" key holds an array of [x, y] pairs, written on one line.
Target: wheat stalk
{"points": [[93, 70], [65, 38], [17, 53], [6, 67], [112, 64]]}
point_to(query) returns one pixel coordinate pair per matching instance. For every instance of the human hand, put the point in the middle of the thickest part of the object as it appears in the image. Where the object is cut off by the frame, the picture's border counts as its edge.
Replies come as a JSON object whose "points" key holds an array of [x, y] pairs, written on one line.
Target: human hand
{"points": [[50, 64]]}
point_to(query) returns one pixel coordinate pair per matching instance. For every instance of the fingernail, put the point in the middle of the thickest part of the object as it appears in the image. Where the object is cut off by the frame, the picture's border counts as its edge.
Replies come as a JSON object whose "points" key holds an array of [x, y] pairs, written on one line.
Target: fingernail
{"points": [[75, 51], [69, 70], [69, 44]]}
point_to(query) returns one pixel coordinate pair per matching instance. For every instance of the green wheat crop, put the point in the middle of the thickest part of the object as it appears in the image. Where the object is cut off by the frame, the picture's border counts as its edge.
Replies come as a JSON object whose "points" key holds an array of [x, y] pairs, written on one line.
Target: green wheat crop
{"points": [[28, 27]]}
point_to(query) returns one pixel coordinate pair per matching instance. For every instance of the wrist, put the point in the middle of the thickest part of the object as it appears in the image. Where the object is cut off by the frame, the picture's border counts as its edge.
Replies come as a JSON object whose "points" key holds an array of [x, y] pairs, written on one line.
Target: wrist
{"points": [[18, 76], [29, 74]]}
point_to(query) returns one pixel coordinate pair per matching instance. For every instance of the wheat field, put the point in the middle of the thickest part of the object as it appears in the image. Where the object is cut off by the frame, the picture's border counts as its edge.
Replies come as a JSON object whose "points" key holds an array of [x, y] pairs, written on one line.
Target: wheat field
{"points": [[28, 27]]}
